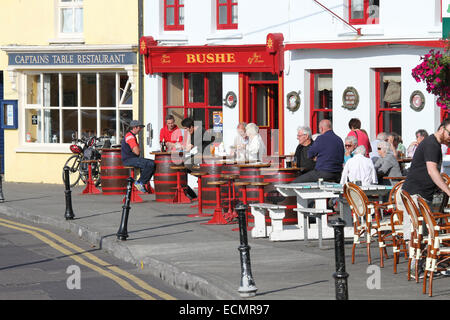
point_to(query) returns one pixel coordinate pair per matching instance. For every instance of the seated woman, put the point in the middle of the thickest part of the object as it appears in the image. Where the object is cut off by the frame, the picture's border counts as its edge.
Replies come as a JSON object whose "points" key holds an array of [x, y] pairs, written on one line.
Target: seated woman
{"points": [[387, 165], [255, 149]]}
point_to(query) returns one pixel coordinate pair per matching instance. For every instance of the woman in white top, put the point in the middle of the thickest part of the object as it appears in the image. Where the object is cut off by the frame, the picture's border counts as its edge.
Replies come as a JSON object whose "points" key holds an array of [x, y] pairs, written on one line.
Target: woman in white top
{"points": [[359, 168], [255, 149]]}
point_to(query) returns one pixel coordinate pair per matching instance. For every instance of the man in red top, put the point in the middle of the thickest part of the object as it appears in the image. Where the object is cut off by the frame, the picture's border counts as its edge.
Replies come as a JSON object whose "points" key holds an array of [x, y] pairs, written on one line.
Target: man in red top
{"points": [[363, 140], [171, 134], [131, 153]]}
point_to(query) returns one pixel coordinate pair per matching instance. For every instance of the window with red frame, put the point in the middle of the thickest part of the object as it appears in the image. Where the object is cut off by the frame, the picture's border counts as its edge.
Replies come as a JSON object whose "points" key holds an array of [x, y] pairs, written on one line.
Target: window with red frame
{"points": [[321, 97], [173, 14], [364, 11], [227, 14], [197, 95], [388, 100]]}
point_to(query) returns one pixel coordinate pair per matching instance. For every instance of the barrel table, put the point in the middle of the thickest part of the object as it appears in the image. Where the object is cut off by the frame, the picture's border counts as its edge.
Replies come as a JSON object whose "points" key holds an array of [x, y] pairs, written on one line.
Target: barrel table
{"points": [[165, 178], [281, 176], [113, 174], [212, 166]]}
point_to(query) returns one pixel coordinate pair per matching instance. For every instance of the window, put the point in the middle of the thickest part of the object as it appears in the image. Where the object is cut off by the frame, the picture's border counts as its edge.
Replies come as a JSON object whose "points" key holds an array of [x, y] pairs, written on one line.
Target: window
{"points": [[321, 97], [388, 100], [173, 14], [70, 17], [196, 95], [63, 106], [227, 14], [364, 11]]}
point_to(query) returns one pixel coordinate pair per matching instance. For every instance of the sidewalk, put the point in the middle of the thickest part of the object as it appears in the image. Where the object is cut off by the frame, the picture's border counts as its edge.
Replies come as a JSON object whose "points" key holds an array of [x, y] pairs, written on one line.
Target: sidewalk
{"points": [[204, 259]]}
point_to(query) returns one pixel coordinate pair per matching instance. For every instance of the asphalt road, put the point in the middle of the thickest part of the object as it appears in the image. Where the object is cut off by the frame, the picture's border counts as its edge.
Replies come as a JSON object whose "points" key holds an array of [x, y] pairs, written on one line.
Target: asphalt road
{"points": [[44, 263]]}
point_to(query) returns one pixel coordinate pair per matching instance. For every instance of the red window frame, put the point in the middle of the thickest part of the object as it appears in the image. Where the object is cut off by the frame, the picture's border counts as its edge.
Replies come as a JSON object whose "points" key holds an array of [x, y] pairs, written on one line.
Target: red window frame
{"points": [[379, 109], [365, 19], [176, 25], [229, 5], [313, 112], [190, 105]]}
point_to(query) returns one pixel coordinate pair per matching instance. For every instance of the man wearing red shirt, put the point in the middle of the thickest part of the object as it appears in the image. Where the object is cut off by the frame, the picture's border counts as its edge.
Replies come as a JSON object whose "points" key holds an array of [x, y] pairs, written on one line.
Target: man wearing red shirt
{"points": [[171, 134], [131, 156]]}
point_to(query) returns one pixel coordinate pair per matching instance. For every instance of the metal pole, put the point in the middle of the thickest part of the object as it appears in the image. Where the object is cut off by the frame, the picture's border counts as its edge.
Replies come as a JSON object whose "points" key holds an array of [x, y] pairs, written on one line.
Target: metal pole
{"points": [[122, 234], [247, 288], [340, 276], [2, 198], [69, 211]]}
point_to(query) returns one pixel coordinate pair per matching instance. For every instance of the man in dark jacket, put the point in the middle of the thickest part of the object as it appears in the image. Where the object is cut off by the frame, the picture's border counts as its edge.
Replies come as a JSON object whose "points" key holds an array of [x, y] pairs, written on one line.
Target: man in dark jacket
{"points": [[301, 159], [328, 151]]}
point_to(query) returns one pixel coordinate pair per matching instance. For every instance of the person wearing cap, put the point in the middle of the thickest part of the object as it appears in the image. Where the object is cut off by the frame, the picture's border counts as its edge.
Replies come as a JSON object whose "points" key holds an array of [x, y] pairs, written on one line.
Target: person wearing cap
{"points": [[131, 156]]}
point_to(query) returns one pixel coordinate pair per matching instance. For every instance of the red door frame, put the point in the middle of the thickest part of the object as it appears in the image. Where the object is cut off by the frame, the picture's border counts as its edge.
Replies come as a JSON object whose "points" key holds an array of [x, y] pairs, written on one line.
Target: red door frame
{"points": [[378, 109], [313, 111]]}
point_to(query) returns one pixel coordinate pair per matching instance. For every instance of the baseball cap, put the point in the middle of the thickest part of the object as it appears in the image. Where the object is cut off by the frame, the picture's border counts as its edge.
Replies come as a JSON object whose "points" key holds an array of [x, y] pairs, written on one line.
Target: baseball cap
{"points": [[136, 123]]}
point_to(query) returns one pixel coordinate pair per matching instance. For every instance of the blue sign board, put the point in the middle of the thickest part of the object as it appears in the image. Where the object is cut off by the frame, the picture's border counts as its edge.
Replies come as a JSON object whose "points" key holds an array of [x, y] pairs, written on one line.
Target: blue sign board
{"points": [[71, 58]]}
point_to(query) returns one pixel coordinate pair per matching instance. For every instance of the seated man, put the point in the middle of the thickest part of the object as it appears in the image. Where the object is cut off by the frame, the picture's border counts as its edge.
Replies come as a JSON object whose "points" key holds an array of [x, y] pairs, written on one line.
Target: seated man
{"points": [[131, 156], [359, 168], [240, 142], [301, 153], [170, 134], [328, 149], [387, 165]]}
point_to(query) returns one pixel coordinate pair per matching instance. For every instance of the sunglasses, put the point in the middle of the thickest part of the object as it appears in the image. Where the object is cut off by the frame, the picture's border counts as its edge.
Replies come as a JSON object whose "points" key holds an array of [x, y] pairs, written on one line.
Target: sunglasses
{"points": [[379, 148], [348, 145]]}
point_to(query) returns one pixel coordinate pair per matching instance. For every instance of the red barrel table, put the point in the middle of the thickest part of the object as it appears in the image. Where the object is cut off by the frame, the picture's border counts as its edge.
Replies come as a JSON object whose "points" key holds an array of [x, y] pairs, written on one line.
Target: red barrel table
{"points": [[281, 176], [251, 172], [165, 178], [212, 166], [113, 174]]}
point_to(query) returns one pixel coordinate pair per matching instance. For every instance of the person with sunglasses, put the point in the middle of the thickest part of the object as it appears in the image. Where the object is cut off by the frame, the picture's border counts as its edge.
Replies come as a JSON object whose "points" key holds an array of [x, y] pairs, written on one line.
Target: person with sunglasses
{"points": [[350, 144]]}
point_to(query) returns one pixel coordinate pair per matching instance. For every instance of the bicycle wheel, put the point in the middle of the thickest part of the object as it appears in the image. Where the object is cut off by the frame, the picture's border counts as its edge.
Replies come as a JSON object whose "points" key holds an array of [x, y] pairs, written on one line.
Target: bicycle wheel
{"points": [[74, 174], [84, 174]]}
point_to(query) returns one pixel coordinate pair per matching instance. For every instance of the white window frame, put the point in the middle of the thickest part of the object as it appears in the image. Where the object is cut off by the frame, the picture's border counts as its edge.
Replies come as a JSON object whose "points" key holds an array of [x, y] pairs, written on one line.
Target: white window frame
{"points": [[119, 106], [72, 4]]}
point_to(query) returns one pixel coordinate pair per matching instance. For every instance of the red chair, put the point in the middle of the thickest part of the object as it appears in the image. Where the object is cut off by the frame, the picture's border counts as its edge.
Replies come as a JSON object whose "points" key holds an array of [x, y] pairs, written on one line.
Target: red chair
{"points": [[180, 197], [243, 186], [200, 213], [218, 214], [231, 213], [90, 184]]}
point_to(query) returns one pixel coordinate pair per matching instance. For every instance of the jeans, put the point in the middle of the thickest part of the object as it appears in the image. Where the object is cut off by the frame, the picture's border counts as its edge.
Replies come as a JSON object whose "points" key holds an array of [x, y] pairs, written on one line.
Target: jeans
{"points": [[314, 175], [147, 167]]}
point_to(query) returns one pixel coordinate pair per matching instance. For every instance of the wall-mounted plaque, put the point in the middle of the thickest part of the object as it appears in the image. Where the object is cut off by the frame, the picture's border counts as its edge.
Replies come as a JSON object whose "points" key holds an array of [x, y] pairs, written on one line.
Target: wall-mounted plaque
{"points": [[293, 101], [350, 98], [417, 100], [230, 99]]}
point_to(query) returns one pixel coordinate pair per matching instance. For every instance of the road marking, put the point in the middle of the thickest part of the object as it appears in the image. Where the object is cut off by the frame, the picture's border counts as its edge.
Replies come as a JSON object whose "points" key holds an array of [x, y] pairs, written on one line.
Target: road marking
{"points": [[90, 256]]}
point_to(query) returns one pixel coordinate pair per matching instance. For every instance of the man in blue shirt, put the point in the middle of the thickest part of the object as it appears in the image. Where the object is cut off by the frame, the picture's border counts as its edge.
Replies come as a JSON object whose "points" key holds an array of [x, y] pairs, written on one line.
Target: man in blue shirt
{"points": [[328, 150]]}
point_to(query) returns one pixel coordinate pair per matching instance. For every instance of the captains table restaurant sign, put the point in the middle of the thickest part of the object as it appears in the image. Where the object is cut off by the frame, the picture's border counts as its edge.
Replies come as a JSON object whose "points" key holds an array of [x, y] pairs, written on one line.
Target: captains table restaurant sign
{"points": [[445, 18], [72, 58]]}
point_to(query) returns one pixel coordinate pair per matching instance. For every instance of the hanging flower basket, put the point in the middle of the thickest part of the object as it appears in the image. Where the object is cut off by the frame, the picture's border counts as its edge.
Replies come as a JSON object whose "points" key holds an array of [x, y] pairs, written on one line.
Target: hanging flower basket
{"points": [[435, 72]]}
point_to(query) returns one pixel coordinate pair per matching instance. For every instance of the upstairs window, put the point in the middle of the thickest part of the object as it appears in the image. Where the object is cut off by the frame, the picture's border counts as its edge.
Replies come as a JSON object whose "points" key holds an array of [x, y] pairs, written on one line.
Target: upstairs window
{"points": [[364, 11], [70, 16], [173, 14], [227, 14]]}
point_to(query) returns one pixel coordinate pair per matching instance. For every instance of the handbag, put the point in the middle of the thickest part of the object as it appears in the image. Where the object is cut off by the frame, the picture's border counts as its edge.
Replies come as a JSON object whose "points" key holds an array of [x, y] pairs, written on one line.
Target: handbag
{"points": [[189, 192]]}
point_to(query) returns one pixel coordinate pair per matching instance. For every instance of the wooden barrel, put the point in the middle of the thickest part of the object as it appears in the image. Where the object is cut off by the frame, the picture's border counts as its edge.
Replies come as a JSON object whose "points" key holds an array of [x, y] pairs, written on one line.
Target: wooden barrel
{"points": [[213, 170], [281, 176], [165, 178], [114, 176]]}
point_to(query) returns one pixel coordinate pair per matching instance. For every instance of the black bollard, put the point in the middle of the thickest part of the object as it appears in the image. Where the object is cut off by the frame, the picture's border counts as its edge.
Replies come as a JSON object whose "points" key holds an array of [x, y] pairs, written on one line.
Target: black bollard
{"points": [[340, 276], [69, 211], [247, 288], [122, 234]]}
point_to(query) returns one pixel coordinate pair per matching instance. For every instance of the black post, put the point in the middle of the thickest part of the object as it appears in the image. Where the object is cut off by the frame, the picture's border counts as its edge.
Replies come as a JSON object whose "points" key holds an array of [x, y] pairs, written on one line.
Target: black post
{"points": [[340, 275], [2, 198], [122, 234], [247, 288], [69, 211]]}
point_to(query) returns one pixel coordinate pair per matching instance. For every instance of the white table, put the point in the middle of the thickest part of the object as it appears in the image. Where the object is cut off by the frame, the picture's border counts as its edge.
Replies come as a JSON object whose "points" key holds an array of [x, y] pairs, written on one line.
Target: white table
{"points": [[305, 192]]}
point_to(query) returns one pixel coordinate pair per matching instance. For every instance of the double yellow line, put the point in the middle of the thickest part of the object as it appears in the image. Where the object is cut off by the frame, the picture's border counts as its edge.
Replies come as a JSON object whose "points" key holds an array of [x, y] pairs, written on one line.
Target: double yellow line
{"points": [[104, 268]]}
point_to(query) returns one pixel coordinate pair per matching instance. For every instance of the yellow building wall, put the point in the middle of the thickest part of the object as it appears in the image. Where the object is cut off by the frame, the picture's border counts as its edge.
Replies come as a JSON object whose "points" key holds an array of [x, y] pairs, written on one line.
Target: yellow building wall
{"points": [[31, 22]]}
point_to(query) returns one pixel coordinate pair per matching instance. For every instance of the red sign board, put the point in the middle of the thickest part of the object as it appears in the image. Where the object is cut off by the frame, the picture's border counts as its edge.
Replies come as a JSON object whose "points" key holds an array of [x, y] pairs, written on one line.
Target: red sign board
{"points": [[243, 58]]}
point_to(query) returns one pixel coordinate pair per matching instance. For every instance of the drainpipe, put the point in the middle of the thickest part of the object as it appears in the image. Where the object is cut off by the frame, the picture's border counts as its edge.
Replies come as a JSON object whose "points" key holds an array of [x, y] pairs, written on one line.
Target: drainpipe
{"points": [[141, 73]]}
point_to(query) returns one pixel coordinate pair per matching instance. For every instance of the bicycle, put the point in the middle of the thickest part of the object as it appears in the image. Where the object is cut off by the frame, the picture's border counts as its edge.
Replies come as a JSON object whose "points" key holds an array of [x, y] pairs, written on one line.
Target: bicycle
{"points": [[83, 149]]}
